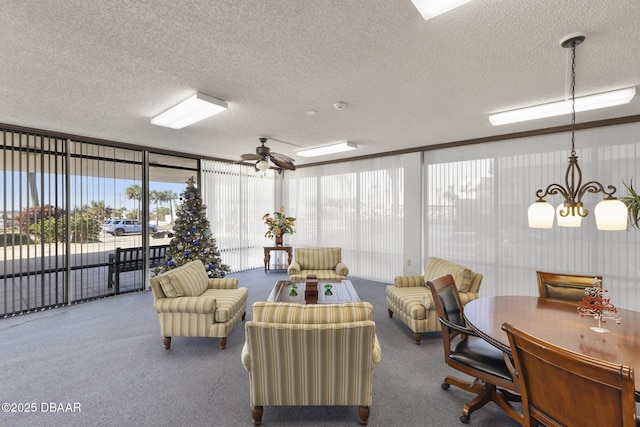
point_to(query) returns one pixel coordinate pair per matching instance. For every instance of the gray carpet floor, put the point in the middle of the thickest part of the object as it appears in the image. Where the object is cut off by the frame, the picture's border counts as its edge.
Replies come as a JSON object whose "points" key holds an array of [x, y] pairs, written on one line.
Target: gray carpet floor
{"points": [[102, 363]]}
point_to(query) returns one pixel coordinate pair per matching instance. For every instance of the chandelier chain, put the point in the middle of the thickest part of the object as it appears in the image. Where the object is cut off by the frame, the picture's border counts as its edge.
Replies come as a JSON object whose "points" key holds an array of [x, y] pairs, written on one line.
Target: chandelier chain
{"points": [[573, 98]]}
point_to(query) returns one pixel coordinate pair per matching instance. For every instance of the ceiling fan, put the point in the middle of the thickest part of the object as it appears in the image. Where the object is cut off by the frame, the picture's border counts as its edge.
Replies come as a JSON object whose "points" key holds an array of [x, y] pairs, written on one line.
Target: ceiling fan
{"points": [[264, 155]]}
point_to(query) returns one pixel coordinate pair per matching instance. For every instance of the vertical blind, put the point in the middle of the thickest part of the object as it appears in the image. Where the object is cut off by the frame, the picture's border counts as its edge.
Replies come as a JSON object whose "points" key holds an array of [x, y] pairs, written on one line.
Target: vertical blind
{"points": [[357, 206], [477, 199], [237, 197]]}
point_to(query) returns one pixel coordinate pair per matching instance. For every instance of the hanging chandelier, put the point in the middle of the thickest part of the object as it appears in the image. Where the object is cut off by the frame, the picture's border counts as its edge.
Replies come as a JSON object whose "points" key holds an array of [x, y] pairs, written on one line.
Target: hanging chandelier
{"points": [[610, 213]]}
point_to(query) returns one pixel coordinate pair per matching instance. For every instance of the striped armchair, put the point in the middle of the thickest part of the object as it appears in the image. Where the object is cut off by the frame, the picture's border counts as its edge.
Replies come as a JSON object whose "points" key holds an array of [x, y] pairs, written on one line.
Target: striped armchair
{"points": [[190, 304], [411, 300], [326, 263], [316, 354]]}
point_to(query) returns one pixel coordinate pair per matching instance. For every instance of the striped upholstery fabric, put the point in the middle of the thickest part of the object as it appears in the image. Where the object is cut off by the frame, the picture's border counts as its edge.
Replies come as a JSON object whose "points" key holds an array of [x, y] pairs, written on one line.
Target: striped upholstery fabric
{"points": [[188, 280], [411, 301], [316, 363], [326, 263], [270, 312], [213, 312]]}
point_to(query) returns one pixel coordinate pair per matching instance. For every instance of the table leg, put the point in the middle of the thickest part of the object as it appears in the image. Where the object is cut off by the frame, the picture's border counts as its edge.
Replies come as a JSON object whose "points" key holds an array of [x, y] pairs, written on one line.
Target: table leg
{"points": [[267, 257]]}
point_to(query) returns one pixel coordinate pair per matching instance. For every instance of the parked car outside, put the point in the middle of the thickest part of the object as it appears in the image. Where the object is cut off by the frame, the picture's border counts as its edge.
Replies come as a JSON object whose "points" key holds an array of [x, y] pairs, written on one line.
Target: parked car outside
{"points": [[119, 226]]}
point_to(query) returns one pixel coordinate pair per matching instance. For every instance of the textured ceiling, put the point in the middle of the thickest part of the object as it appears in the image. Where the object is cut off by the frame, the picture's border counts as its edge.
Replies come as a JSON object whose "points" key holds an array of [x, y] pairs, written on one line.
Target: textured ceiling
{"points": [[102, 69]]}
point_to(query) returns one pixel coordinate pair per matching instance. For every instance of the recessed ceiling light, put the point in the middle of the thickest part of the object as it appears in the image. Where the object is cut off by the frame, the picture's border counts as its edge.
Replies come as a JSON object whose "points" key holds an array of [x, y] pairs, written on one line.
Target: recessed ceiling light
{"points": [[328, 149], [193, 109], [311, 113]]}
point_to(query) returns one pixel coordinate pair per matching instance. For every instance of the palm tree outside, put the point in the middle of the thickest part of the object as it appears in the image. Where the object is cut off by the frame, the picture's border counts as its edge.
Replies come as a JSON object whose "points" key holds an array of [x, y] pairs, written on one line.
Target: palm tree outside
{"points": [[134, 192]]}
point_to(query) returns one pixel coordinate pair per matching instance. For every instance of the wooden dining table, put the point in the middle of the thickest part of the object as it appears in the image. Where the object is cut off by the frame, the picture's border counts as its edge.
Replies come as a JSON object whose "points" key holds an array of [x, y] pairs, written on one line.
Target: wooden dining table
{"points": [[559, 323]]}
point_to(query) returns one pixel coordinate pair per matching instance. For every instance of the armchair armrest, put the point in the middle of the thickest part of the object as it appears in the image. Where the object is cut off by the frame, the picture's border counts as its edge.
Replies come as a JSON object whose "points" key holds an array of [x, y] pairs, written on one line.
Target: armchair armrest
{"points": [[294, 268], [342, 269], [246, 357], [193, 305], [377, 352], [222, 283], [409, 281]]}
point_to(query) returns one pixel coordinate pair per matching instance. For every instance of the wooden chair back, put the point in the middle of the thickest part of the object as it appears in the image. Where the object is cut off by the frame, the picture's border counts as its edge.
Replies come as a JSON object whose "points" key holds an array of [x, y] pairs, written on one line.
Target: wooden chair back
{"points": [[563, 388], [567, 287]]}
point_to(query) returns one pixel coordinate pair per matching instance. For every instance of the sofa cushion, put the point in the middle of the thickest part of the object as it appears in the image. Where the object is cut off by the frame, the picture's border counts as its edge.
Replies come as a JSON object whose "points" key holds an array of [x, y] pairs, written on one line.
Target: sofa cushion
{"points": [[438, 267], [188, 280], [170, 290], [228, 302], [318, 258], [409, 300], [467, 278], [275, 312]]}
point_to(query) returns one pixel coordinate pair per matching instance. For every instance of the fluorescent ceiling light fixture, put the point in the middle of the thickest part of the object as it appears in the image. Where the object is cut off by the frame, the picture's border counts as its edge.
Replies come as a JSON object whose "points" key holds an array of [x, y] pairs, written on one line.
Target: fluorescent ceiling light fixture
{"points": [[432, 8], [189, 111], [328, 149], [584, 103]]}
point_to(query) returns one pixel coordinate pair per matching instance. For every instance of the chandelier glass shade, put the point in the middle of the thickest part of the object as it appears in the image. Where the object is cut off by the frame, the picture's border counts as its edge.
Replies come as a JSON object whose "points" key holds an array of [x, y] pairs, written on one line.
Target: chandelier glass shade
{"points": [[611, 214]]}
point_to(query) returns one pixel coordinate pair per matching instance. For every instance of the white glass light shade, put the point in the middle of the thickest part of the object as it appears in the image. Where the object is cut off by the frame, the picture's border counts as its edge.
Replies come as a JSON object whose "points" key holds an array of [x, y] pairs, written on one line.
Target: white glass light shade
{"points": [[611, 215], [262, 165], [569, 220], [193, 109], [541, 215]]}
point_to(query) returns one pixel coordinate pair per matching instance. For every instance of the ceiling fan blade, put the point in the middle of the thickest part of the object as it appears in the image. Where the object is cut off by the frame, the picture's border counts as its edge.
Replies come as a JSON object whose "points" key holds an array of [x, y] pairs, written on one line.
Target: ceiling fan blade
{"points": [[282, 157], [282, 164], [250, 157]]}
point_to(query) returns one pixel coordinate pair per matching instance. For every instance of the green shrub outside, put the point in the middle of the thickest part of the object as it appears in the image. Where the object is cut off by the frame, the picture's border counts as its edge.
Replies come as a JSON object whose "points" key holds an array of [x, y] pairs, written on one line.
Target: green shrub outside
{"points": [[83, 229], [12, 239]]}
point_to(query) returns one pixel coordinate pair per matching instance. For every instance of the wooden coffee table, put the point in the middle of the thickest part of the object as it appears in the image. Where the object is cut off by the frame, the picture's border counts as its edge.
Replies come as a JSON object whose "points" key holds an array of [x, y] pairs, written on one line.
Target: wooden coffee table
{"points": [[328, 292]]}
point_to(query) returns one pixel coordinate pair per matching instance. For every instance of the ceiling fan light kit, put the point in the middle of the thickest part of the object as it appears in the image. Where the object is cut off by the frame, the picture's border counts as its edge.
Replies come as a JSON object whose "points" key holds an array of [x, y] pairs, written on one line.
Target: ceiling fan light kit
{"points": [[264, 155], [611, 214], [193, 109], [328, 149]]}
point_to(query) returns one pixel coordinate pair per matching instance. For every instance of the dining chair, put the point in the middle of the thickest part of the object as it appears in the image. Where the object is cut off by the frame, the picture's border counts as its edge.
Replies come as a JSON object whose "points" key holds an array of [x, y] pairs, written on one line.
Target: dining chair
{"points": [[566, 287], [563, 388], [472, 355]]}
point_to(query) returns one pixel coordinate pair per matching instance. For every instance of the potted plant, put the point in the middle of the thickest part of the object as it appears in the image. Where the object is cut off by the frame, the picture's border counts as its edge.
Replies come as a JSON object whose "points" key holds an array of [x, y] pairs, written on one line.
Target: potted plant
{"points": [[633, 204], [279, 224]]}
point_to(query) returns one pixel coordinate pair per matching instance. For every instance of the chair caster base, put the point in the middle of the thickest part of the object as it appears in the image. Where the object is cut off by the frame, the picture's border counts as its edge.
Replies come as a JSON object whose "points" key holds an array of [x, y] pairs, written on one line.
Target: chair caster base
{"points": [[464, 419]]}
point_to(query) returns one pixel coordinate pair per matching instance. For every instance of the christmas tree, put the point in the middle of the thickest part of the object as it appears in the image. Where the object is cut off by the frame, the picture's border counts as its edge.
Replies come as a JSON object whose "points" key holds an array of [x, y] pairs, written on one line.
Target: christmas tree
{"points": [[192, 237]]}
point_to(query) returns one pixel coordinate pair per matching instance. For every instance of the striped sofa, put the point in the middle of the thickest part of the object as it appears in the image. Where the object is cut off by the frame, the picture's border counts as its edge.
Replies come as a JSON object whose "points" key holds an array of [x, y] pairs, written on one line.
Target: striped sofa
{"points": [[326, 263], [190, 304], [411, 300], [316, 354]]}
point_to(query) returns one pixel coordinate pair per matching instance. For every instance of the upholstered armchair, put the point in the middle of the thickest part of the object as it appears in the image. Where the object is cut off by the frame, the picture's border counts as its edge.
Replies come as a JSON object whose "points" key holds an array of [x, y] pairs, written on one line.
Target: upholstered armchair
{"points": [[190, 304], [315, 354], [326, 263], [411, 300]]}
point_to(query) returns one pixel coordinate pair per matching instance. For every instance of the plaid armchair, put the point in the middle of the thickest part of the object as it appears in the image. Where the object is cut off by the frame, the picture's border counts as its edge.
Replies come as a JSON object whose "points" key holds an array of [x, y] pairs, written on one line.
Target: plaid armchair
{"points": [[316, 354]]}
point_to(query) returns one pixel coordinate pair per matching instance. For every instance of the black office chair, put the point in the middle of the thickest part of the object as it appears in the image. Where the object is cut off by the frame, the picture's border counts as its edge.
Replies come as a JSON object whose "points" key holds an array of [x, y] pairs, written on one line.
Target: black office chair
{"points": [[470, 354]]}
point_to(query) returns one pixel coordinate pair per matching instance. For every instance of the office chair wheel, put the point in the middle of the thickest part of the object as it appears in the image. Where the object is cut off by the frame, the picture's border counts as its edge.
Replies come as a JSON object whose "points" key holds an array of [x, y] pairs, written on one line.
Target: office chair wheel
{"points": [[464, 419], [445, 386]]}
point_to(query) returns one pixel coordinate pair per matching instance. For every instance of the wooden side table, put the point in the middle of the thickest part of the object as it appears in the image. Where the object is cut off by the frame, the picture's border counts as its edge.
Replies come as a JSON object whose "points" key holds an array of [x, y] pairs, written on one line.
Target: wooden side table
{"points": [[267, 254]]}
